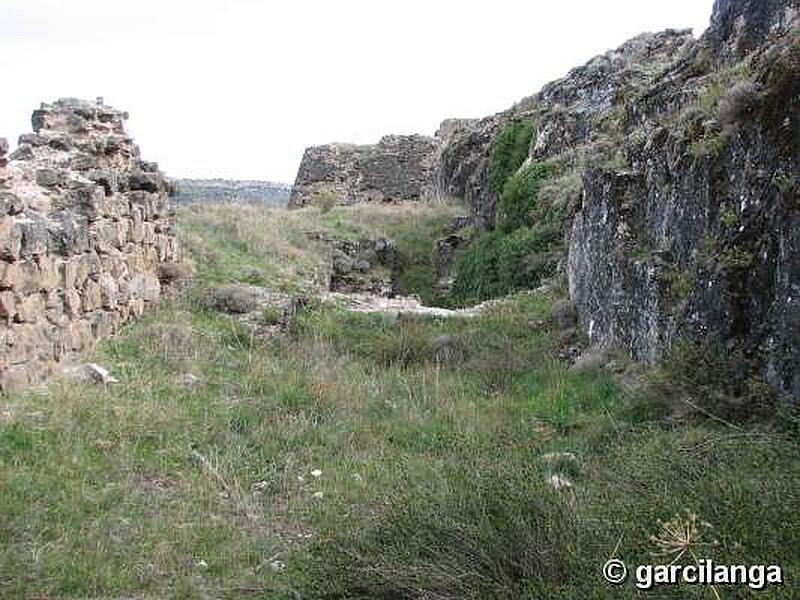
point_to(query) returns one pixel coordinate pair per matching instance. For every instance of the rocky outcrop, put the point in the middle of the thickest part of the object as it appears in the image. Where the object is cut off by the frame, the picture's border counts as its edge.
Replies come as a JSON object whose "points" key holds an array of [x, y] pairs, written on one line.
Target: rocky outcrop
{"points": [[458, 234], [461, 164], [396, 169], [697, 235], [688, 154], [739, 27], [265, 312], [227, 190], [567, 112], [369, 266], [86, 225]]}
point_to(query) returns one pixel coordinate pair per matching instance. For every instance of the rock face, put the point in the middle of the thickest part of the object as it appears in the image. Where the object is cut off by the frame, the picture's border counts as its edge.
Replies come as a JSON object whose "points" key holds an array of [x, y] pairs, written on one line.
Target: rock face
{"points": [[85, 224], [568, 112], [226, 190], [396, 169], [697, 235], [740, 26], [461, 164], [689, 155], [458, 234]]}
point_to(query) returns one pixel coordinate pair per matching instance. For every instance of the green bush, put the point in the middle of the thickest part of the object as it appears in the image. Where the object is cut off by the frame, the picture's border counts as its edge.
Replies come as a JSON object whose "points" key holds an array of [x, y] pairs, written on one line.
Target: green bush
{"points": [[521, 251], [501, 263], [519, 197], [509, 151]]}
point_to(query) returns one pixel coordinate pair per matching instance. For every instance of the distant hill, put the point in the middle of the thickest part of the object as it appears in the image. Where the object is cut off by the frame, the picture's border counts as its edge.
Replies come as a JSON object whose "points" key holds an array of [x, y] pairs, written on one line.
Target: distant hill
{"points": [[227, 190]]}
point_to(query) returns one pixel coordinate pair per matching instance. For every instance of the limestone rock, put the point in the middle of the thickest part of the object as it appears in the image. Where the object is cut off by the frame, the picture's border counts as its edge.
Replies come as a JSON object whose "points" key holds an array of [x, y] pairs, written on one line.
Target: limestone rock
{"points": [[90, 373], [190, 380], [236, 299], [716, 211], [458, 234]]}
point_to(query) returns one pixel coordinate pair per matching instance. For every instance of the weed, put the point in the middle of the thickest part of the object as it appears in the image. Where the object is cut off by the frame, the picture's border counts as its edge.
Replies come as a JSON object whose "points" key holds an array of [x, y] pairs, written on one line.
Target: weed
{"points": [[499, 264], [711, 146]]}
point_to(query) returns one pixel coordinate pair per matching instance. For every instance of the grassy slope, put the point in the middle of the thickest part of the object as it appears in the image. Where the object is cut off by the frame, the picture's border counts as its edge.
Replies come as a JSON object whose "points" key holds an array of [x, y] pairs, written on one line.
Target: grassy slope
{"points": [[429, 436]]}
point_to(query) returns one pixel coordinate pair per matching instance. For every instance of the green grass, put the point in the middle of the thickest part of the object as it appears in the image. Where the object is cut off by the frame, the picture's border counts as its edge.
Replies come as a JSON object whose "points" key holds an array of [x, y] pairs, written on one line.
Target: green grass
{"points": [[434, 470], [519, 196], [272, 246], [500, 263], [509, 150]]}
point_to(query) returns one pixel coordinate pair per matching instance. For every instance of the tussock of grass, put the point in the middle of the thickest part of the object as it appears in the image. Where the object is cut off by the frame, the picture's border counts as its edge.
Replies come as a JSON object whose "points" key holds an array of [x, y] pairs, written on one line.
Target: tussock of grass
{"points": [[433, 479]]}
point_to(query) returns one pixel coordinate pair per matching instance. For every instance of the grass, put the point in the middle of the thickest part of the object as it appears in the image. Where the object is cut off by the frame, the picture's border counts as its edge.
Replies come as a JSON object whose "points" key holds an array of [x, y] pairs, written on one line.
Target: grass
{"points": [[434, 472], [509, 150], [272, 246]]}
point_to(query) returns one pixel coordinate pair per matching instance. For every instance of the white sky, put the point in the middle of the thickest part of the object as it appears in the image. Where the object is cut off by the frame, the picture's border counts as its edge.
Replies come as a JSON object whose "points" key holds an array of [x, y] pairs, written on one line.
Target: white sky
{"points": [[238, 88]]}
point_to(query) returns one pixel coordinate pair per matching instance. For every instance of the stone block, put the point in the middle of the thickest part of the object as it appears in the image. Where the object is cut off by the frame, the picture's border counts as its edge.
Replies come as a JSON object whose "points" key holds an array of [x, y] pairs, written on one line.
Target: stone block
{"points": [[72, 303], [91, 296], [35, 236], [48, 178], [29, 308], [109, 291], [10, 204]]}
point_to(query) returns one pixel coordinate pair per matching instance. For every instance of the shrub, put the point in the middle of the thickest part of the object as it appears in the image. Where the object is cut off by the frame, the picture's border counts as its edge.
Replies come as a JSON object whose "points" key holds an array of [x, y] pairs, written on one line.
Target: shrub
{"points": [[519, 197], [738, 103], [500, 263], [509, 151], [174, 272], [272, 315], [709, 99], [711, 146], [232, 299]]}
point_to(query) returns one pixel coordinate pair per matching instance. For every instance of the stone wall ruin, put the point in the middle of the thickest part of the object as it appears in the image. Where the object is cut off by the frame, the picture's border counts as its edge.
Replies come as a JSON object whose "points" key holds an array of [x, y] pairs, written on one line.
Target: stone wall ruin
{"points": [[85, 226]]}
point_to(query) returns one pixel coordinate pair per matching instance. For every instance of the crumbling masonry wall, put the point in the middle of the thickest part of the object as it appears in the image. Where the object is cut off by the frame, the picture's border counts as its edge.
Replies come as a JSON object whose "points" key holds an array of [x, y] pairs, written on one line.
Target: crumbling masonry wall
{"points": [[85, 226], [396, 169]]}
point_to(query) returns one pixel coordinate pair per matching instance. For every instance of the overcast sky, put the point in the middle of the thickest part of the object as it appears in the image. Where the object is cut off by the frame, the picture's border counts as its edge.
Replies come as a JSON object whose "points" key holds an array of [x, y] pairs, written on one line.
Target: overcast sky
{"points": [[238, 88]]}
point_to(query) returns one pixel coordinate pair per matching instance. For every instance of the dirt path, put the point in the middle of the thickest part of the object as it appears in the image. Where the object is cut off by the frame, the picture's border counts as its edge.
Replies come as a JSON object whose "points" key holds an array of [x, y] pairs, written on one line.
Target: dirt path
{"points": [[399, 305]]}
